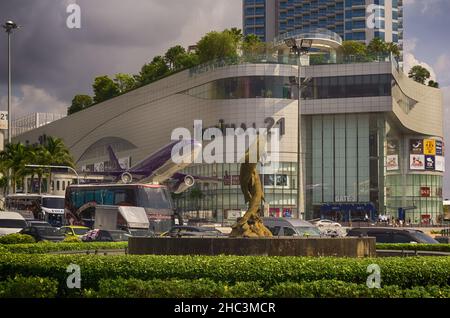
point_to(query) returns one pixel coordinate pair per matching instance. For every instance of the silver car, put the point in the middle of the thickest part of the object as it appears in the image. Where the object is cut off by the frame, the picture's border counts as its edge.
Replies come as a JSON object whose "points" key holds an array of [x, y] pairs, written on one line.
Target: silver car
{"points": [[291, 227]]}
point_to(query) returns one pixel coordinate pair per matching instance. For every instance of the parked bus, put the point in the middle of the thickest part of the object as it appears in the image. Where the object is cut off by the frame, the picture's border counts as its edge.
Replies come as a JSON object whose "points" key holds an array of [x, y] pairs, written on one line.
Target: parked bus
{"points": [[81, 201], [43, 207]]}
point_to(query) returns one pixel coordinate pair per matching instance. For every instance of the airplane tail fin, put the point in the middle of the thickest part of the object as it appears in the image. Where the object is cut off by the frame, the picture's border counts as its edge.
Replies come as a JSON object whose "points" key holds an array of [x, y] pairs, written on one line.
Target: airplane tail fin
{"points": [[115, 165]]}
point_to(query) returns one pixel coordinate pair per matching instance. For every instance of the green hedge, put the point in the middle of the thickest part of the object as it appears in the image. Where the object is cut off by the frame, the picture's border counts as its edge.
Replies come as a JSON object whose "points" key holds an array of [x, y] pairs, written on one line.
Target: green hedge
{"points": [[17, 238], [28, 287], [201, 288], [415, 247], [403, 272], [48, 247]]}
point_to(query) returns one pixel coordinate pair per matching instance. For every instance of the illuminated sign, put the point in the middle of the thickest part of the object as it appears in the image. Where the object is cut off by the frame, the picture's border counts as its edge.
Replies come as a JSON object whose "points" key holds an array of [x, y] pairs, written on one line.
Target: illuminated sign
{"points": [[429, 147], [417, 162]]}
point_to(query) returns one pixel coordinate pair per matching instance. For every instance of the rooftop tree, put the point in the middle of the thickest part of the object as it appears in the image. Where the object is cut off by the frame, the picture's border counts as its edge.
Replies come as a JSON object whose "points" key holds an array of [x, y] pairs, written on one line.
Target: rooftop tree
{"points": [[420, 74], [79, 102], [104, 89], [217, 45]]}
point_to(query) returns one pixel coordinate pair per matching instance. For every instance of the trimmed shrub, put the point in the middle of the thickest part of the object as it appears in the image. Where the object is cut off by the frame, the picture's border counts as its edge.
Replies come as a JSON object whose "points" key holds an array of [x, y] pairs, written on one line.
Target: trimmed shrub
{"points": [[28, 287], [17, 239], [402, 272], [204, 288], [49, 247], [72, 239]]}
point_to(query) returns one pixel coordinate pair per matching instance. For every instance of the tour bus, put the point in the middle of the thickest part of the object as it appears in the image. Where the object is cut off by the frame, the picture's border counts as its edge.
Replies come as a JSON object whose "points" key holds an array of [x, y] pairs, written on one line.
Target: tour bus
{"points": [[81, 201], [43, 207]]}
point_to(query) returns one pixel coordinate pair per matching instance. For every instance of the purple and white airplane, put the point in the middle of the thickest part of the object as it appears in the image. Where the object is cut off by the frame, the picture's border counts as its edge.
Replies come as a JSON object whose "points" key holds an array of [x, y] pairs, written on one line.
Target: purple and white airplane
{"points": [[160, 168]]}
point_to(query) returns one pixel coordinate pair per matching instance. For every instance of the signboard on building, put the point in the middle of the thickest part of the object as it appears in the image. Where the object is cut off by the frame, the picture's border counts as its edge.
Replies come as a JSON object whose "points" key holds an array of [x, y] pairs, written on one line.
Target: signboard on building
{"points": [[430, 163], [392, 147], [416, 146], [439, 148], [425, 192], [392, 163], [417, 162], [440, 163], [429, 146], [3, 120]]}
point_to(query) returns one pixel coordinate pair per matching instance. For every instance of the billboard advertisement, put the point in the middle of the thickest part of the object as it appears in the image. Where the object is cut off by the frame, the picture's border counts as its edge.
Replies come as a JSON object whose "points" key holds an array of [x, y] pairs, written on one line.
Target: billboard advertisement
{"points": [[429, 147], [440, 163], [416, 146], [417, 162], [392, 147], [439, 148], [430, 163], [392, 163]]}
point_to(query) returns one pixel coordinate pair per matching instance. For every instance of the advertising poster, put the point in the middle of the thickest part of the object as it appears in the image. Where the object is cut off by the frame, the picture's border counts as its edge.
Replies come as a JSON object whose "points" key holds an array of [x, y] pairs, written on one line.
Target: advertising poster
{"points": [[429, 146], [430, 163], [439, 148], [417, 162], [392, 147], [440, 163], [416, 146], [392, 163], [425, 192]]}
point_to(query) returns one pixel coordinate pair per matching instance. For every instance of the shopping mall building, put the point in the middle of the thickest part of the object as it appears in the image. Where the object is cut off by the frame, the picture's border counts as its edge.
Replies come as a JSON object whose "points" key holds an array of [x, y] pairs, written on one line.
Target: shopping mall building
{"points": [[371, 138]]}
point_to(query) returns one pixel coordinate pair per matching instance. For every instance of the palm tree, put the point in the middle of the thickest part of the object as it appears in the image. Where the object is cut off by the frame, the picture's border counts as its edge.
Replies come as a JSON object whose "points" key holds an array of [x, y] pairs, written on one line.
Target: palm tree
{"points": [[377, 47], [14, 158], [54, 152]]}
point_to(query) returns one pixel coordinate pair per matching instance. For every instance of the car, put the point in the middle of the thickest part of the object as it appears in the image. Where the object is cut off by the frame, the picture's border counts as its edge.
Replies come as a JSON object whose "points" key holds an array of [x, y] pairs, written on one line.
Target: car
{"points": [[291, 227], [77, 231], [11, 222], [326, 223], [193, 231], [44, 233], [392, 235], [105, 236]]}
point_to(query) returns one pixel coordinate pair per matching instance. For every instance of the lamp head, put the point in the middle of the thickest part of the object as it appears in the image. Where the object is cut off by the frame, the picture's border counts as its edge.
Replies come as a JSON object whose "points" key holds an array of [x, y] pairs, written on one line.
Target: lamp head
{"points": [[10, 25]]}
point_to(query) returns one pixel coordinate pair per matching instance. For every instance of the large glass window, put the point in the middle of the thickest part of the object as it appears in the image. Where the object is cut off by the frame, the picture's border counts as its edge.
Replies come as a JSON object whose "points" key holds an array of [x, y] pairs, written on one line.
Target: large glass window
{"points": [[348, 86], [247, 87]]}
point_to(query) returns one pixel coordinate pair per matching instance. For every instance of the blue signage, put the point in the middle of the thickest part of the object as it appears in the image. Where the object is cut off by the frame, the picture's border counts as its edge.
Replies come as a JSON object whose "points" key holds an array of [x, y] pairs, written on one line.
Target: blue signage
{"points": [[430, 163]]}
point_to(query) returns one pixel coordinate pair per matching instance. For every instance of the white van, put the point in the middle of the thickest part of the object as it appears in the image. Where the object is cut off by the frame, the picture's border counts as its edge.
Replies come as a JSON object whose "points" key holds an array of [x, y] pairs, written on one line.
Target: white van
{"points": [[11, 222]]}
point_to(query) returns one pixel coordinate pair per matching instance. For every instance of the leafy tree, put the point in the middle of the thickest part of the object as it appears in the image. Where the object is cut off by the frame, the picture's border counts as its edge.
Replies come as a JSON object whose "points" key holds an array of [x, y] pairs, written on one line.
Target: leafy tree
{"points": [[104, 89], [434, 84], [236, 33], [186, 60], [419, 73], [217, 45], [14, 158], [79, 102], [393, 48], [377, 47], [252, 44], [173, 54], [354, 48], [152, 71], [124, 82]]}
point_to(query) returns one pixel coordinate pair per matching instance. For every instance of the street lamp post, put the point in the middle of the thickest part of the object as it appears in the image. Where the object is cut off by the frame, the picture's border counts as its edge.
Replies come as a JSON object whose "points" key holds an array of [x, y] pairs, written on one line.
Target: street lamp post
{"points": [[9, 26], [303, 49]]}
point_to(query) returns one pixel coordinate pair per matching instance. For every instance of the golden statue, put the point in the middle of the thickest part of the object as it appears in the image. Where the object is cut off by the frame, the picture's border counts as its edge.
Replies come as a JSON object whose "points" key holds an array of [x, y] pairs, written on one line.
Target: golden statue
{"points": [[251, 224]]}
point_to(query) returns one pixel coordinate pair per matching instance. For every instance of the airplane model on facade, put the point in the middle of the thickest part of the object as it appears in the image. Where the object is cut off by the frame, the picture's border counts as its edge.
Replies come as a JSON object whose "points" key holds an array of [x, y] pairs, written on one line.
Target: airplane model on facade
{"points": [[160, 168]]}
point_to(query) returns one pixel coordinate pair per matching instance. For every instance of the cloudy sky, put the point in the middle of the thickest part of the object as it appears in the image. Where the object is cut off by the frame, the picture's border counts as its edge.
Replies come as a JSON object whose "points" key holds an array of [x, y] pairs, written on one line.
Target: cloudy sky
{"points": [[52, 63]]}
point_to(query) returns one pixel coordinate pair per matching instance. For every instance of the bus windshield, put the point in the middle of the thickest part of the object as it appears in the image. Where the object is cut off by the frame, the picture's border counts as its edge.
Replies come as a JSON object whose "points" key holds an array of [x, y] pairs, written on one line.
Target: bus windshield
{"points": [[154, 198], [53, 203]]}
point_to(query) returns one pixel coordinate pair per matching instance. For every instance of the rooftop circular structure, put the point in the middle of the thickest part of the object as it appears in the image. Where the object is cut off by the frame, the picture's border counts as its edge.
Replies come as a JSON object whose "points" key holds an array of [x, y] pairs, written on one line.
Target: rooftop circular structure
{"points": [[322, 39]]}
